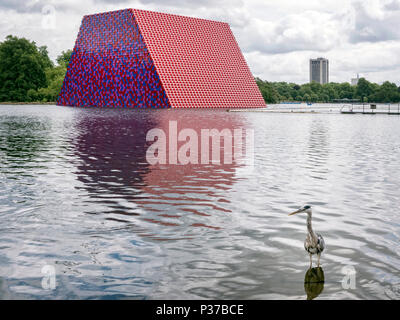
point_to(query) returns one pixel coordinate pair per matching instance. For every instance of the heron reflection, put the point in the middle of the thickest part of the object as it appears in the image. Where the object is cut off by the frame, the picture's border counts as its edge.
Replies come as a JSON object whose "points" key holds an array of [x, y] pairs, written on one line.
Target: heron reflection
{"points": [[314, 243], [314, 282]]}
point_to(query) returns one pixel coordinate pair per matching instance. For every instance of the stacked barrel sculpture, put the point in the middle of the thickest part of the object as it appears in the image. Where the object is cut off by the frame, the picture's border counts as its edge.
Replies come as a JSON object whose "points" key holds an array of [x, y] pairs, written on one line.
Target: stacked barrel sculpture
{"points": [[143, 59]]}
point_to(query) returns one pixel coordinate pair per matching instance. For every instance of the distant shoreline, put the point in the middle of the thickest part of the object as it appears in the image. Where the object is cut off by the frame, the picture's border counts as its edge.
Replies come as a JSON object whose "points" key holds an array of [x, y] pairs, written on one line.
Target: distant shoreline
{"points": [[26, 103], [294, 105]]}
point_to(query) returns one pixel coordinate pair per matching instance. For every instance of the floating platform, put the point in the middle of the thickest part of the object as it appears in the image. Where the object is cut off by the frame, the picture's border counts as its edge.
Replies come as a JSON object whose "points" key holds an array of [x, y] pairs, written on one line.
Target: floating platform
{"points": [[371, 109], [360, 112]]}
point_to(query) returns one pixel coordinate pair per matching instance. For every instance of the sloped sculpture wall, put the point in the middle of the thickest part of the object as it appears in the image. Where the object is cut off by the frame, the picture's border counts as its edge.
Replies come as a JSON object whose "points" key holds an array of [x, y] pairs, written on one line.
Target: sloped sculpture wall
{"points": [[143, 59]]}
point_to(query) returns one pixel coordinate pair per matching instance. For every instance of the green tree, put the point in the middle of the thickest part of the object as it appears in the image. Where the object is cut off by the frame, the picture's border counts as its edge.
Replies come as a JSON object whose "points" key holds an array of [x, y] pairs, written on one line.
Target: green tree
{"points": [[268, 92], [314, 97], [364, 89], [305, 89], [64, 58], [328, 92], [55, 77], [47, 63], [315, 87], [22, 67], [387, 92], [346, 91]]}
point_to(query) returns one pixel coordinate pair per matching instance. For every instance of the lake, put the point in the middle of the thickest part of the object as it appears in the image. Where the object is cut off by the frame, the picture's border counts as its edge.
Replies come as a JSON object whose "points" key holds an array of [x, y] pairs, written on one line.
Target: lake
{"points": [[83, 215]]}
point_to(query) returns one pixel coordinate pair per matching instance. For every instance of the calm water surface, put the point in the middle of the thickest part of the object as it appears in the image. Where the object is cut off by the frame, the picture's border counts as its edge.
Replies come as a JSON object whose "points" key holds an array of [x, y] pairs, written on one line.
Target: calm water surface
{"points": [[77, 193]]}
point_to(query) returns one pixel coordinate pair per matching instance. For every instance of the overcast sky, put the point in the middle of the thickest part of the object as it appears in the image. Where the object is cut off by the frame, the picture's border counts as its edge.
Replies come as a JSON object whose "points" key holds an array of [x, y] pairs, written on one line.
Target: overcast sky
{"points": [[277, 37]]}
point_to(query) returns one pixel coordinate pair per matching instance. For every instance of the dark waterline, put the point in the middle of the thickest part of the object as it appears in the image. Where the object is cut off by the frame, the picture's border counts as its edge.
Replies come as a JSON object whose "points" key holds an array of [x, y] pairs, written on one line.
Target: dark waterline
{"points": [[77, 193]]}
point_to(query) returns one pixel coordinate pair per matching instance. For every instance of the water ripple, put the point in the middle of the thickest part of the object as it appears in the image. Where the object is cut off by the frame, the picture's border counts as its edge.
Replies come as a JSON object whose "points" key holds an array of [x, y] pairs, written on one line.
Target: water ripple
{"points": [[77, 193]]}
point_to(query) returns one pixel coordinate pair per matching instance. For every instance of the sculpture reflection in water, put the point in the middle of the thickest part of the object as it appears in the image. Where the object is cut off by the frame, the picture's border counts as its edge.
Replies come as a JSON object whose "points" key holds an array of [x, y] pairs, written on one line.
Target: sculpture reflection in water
{"points": [[314, 282], [160, 201]]}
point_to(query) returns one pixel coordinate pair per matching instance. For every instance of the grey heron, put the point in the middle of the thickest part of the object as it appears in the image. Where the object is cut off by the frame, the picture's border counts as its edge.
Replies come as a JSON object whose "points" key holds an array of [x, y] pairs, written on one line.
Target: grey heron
{"points": [[314, 243]]}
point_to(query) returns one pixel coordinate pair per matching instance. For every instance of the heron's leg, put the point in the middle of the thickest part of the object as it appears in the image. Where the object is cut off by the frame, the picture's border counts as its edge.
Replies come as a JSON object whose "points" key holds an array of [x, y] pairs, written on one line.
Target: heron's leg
{"points": [[319, 256], [310, 260]]}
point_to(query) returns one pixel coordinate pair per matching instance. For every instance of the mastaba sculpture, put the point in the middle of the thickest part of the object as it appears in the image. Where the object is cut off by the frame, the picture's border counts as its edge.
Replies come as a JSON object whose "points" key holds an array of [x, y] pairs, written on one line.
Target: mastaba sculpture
{"points": [[144, 59]]}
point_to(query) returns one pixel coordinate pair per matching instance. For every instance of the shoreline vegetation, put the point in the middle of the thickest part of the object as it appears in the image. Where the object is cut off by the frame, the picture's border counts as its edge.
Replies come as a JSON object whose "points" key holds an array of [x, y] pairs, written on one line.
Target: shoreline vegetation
{"points": [[363, 92], [28, 76], [27, 103]]}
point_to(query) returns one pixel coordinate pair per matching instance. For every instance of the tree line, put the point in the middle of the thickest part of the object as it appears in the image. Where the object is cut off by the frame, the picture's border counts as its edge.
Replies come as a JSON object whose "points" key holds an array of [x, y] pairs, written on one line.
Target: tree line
{"points": [[27, 74], [364, 91]]}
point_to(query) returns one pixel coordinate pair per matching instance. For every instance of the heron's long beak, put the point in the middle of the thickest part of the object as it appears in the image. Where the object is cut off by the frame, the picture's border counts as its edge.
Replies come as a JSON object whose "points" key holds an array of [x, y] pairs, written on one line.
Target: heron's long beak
{"points": [[298, 211]]}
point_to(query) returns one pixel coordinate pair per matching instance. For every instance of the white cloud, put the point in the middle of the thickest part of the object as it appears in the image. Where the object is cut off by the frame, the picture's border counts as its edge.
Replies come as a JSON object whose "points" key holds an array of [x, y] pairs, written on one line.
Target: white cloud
{"points": [[376, 21], [308, 30], [377, 63]]}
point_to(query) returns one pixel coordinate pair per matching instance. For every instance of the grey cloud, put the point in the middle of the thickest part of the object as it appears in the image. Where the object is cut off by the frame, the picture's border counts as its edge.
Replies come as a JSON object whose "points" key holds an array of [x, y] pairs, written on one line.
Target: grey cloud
{"points": [[176, 3], [308, 31], [393, 6], [22, 6], [230, 11], [181, 3], [374, 29]]}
